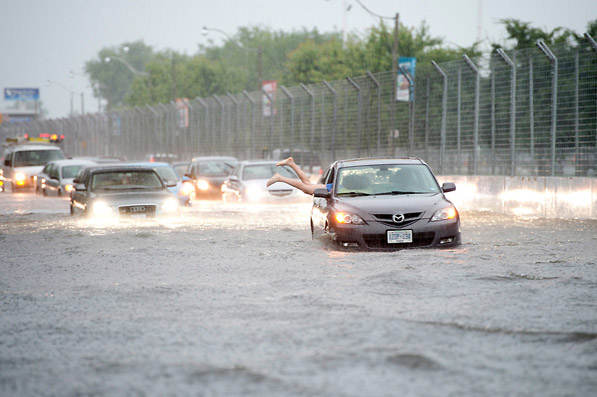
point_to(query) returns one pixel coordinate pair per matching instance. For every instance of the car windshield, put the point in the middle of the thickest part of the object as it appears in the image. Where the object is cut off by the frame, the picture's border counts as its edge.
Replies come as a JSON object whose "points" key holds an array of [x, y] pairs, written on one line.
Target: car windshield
{"points": [[216, 168], [266, 171], [168, 175], [70, 171], [389, 179], [24, 158], [181, 169], [125, 180]]}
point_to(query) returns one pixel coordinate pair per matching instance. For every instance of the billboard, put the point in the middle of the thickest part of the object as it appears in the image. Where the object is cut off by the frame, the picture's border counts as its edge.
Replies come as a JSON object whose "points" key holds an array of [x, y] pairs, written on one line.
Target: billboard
{"points": [[402, 84], [21, 94]]}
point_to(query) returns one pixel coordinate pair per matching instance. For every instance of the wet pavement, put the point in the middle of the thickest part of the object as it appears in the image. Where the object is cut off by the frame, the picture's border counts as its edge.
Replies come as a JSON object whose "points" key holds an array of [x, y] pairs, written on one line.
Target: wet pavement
{"points": [[232, 300]]}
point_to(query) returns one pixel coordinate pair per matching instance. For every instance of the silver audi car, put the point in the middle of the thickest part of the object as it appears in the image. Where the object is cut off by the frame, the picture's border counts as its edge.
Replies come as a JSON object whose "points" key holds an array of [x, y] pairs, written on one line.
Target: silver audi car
{"points": [[384, 203], [122, 191]]}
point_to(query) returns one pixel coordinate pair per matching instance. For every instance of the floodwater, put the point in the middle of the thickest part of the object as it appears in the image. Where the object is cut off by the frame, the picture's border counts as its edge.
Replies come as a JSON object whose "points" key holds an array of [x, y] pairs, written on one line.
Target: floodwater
{"points": [[237, 300]]}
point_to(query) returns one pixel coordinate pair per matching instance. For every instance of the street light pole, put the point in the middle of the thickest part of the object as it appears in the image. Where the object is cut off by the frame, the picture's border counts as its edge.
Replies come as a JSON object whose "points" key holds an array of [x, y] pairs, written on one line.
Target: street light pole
{"points": [[258, 50]]}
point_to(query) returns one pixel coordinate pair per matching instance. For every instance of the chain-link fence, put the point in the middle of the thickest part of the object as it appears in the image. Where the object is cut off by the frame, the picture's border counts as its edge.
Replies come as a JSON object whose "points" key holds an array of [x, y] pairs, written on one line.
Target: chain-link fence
{"points": [[529, 112]]}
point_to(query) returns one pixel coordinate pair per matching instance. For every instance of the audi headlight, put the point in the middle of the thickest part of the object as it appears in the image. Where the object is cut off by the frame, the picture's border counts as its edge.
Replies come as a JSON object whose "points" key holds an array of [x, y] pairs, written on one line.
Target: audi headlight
{"points": [[348, 218], [444, 214], [202, 185], [170, 205], [100, 208], [20, 177]]}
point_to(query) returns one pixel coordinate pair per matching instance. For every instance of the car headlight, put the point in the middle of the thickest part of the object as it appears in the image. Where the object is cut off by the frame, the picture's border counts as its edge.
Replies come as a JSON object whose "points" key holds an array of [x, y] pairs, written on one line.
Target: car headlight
{"points": [[187, 189], [170, 205], [253, 192], [68, 188], [202, 185], [348, 218], [101, 208], [444, 214], [19, 177]]}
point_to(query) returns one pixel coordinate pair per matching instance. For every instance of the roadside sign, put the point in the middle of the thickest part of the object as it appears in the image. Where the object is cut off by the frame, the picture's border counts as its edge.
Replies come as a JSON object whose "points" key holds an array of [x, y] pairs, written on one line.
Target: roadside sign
{"points": [[402, 86], [21, 94]]}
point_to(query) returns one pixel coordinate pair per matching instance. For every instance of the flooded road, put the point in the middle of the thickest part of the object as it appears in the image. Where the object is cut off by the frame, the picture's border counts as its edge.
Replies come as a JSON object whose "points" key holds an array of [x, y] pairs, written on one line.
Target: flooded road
{"points": [[234, 300]]}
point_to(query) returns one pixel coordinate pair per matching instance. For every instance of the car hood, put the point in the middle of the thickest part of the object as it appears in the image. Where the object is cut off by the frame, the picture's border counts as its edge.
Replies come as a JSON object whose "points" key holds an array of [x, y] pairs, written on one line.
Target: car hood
{"points": [[131, 198], [364, 206], [30, 170]]}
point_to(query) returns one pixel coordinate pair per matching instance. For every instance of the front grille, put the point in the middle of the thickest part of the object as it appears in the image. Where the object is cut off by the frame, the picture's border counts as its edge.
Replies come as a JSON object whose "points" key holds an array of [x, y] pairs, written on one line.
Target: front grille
{"points": [[380, 240], [137, 209], [409, 219], [281, 193]]}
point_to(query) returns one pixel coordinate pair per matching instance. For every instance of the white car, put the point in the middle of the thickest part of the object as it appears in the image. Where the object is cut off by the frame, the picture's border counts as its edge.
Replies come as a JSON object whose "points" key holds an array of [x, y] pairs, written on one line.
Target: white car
{"points": [[60, 175], [248, 183]]}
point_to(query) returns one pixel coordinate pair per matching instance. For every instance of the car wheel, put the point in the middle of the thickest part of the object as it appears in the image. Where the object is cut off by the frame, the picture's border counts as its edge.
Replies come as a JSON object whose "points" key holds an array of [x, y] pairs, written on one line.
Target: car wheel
{"points": [[72, 209], [312, 231]]}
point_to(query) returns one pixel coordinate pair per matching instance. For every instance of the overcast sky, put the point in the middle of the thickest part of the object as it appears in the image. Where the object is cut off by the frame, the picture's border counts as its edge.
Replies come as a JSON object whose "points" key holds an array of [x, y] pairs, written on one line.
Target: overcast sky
{"points": [[46, 39]]}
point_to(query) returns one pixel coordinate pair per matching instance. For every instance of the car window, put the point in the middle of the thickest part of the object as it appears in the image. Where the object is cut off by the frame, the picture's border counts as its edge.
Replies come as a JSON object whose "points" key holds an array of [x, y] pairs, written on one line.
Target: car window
{"points": [[125, 180], [386, 179], [215, 168], [53, 172], [69, 171], [167, 174], [24, 158], [266, 171]]}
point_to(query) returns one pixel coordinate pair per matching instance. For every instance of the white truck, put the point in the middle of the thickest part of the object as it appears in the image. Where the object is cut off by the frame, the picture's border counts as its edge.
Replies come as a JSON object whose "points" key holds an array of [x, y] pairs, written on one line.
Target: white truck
{"points": [[24, 158]]}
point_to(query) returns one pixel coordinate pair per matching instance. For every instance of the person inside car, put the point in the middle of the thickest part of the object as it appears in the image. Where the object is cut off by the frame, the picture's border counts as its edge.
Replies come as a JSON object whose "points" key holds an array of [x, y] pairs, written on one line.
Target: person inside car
{"points": [[304, 184]]}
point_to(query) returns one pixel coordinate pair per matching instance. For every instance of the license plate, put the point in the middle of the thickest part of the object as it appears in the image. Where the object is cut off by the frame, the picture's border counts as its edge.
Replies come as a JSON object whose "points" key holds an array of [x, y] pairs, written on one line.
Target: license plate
{"points": [[400, 236]]}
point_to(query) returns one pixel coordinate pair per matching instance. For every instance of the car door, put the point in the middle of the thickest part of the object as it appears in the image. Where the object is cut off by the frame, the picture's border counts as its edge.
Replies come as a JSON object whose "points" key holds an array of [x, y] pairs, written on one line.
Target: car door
{"points": [[53, 182], [321, 206]]}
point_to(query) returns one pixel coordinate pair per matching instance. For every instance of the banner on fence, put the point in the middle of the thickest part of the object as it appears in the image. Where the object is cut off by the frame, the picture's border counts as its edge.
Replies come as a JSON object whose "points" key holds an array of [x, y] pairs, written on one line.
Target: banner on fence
{"points": [[269, 87], [183, 113], [402, 85]]}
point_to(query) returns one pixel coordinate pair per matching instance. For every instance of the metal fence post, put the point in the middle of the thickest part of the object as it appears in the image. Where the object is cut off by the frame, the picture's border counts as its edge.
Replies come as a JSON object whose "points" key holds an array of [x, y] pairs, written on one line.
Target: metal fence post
{"points": [[532, 113], [593, 45], [252, 137], [411, 107], [476, 119], [188, 144], [512, 66], [268, 151], [222, 132], [554, 100], [291, 135], [442, 154], [312, 137], [334, 119], [427, 96], [378, 86], [203, 104], [359, 106], [236, 133]]}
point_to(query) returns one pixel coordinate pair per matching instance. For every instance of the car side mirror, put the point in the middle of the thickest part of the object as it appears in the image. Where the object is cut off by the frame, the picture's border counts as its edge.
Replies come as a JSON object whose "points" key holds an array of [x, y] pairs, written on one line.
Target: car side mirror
{"points": [[448, 187], [322, 193], [80, 187], [188, 175], [75, 181], [7, 163], [170, 184], [233, 178]]}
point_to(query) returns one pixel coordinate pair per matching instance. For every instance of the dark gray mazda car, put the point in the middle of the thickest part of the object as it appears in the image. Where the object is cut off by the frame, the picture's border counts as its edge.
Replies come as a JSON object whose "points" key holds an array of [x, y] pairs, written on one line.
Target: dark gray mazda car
{"points": [[384, 203]]}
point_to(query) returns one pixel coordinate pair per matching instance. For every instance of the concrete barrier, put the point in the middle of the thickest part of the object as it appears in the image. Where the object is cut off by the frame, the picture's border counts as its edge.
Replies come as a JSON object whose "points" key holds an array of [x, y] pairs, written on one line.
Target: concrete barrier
{"points": [[543, 197]]}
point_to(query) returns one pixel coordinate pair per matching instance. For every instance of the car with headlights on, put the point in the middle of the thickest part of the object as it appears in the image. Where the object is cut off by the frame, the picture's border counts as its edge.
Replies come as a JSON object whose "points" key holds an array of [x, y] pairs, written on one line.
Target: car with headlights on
{"points": [[208, 174], [122, 191], [182, 188], [248, 183], [60, 175], [384, 204]]}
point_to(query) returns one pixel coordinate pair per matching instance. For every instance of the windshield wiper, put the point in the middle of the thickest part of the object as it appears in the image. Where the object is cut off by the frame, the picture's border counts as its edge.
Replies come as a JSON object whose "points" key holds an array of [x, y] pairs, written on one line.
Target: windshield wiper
{"points": [[354, 194], [397, 192]]}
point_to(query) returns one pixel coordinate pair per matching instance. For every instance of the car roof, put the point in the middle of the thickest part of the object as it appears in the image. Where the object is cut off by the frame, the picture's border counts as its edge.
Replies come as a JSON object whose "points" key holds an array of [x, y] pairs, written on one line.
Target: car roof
{"points": [[119, 168], [258, 162], [377, 161], [208, 158], [64, 162], [34, 146], [150, 164]]}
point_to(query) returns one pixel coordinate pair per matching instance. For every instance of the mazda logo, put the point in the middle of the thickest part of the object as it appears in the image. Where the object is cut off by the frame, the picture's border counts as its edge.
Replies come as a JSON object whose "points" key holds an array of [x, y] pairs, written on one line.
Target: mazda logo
{"points": [[398, 218]]}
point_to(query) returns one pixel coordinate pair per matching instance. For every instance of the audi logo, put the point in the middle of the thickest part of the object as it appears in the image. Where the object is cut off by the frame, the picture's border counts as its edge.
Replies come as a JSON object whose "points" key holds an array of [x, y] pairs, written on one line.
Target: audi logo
{"points": [[138, 208], [398, 218]]}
